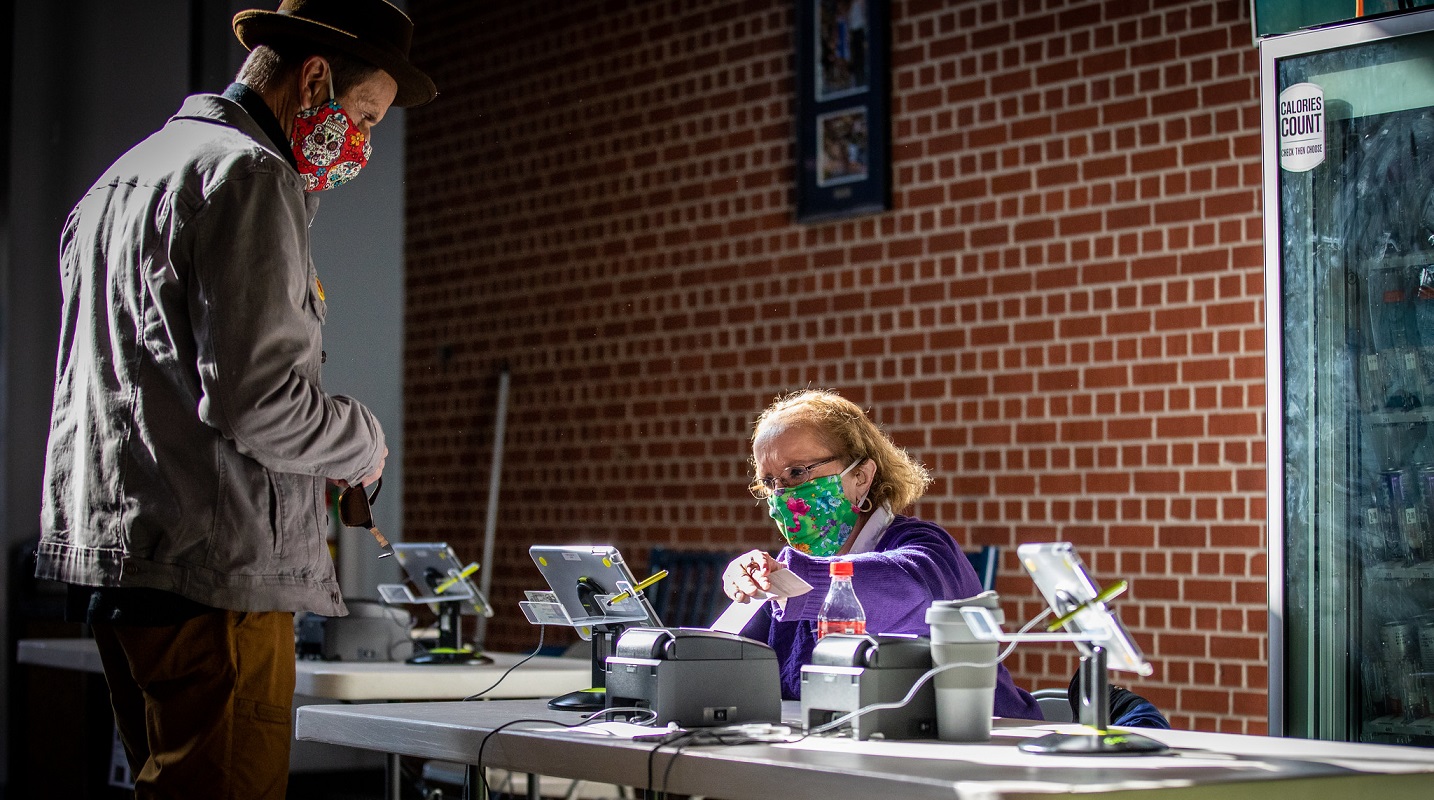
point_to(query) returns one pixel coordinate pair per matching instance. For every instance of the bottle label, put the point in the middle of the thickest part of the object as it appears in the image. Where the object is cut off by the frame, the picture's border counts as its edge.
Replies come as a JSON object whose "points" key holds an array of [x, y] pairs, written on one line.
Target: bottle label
{"points": [[855, 626]]}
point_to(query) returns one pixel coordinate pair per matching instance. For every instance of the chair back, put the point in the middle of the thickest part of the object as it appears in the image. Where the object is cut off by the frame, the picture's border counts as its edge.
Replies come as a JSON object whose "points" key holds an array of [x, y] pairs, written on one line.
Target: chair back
{"points": [[985, 561], [1055, 705], [691, 595]]}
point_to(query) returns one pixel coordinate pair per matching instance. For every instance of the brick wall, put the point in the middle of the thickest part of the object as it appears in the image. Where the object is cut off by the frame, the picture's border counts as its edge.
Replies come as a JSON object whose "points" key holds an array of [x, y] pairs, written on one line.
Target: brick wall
{"points": [[1061, 315]]}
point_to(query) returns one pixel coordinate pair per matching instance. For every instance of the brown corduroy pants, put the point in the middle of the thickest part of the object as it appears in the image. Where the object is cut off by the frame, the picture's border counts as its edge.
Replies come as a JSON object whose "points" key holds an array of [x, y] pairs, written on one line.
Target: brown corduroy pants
{"points": [[203, 707]]}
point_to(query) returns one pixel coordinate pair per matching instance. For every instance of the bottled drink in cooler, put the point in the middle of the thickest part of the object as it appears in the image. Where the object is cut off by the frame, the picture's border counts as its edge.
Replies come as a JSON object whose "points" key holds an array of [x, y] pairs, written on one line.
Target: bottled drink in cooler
{"points": [[841, 611]]}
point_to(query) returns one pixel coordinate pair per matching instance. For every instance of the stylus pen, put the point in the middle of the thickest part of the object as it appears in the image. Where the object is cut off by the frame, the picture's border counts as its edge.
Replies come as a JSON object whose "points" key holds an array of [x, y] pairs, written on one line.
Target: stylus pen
{"points": [[646, 582], [1105, 594], [448, 584]]}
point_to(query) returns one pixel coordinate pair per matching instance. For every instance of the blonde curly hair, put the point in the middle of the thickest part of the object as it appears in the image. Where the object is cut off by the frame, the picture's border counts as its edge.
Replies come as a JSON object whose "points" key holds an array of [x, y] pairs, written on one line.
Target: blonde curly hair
{"points": [[846, 429]]}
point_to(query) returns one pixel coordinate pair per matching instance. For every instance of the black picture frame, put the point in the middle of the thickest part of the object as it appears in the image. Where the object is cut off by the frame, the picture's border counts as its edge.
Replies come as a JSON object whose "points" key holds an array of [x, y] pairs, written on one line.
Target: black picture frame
{"points": [[843, 125]]}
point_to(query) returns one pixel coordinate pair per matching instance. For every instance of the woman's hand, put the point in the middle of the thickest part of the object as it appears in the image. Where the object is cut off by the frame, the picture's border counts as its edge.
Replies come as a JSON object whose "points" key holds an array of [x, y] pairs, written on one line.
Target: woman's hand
{"points": [[746, 576]]}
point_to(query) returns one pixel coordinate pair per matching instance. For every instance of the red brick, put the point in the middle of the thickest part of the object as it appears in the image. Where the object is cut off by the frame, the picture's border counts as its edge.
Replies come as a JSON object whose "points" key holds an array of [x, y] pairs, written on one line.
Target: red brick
{"points": [[1117, 483], [1108, 167], [1078, 224], [1157, 482], [1182, 210], [1057, 175], [1204, 42], [1205, 152], [1128, 217], [1126, 111]]}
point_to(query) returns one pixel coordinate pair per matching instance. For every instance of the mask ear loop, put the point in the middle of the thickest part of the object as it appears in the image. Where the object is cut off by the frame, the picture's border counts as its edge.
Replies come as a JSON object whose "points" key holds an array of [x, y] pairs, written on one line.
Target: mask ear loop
{"points": [[864, 504], [333, 98]]}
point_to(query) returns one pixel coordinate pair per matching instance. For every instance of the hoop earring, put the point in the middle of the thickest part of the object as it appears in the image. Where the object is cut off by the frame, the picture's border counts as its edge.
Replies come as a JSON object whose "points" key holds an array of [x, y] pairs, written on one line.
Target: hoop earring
{"points": [[865, 504]]}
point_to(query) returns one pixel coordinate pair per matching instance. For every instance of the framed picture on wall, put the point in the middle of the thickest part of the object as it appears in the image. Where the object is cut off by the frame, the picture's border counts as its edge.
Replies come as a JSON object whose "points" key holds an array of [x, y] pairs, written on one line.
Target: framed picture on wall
{"points": [[843, 117]]}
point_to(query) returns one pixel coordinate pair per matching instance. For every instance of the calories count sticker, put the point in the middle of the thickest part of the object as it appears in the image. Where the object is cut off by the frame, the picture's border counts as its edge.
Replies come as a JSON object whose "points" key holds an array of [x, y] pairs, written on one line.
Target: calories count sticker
{"points": [[1301, 120]]}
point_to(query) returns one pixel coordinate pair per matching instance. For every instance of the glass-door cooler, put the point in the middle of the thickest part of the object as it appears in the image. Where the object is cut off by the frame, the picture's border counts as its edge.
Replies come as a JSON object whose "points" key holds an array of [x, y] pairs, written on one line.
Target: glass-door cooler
{"points": [[1348, 155]]}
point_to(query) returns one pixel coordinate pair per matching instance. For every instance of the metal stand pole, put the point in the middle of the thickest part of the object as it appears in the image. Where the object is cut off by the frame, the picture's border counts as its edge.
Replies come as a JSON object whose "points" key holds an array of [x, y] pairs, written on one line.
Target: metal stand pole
{"points": [[393, 777], [1094, 687], [490, 527]]}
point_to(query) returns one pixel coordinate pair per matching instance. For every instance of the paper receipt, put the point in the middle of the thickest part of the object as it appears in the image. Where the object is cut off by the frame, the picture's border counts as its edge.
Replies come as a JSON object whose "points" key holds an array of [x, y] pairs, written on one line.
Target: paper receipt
{"points": [[785, 583]]}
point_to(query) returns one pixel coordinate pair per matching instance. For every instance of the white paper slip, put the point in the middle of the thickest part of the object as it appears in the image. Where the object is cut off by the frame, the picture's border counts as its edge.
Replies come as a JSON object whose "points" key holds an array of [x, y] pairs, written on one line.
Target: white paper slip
{"points": [[737, 615], [618, 729], [785, 583]]}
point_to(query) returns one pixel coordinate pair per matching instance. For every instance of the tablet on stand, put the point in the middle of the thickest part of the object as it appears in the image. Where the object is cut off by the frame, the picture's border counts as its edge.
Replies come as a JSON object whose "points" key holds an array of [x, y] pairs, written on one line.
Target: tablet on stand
{"points": [[592, 591], [1080, 607], [442, 583]]}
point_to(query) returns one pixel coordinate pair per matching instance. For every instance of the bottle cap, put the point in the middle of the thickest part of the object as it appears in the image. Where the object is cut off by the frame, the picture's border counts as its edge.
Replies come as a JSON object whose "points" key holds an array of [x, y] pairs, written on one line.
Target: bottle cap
{"points": [[841, 568]]}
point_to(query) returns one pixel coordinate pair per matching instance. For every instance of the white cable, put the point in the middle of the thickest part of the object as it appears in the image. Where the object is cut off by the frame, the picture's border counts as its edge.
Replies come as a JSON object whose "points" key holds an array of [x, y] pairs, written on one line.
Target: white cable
{"points": [[647, 715], [921, 681]]}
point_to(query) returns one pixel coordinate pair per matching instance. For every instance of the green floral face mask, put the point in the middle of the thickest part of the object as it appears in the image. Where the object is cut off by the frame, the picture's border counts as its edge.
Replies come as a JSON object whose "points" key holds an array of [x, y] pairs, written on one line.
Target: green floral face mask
{"points": [[815, 517]]}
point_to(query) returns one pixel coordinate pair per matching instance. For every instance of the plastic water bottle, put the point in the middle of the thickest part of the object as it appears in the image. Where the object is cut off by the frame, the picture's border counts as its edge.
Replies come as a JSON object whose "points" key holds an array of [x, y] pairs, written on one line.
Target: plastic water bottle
{"points": [[841, 611]]}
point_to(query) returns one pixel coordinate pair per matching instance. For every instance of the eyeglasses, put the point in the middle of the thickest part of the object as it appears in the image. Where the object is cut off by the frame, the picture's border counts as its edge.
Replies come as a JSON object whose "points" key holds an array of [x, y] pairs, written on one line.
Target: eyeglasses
{"points": [[762, 488], [356, 511]]}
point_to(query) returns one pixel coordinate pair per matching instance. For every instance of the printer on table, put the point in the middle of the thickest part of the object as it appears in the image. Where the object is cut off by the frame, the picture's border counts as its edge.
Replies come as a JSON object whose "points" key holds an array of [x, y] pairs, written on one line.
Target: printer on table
{"points": [[849, 672], [371, 632], [695, 677]]}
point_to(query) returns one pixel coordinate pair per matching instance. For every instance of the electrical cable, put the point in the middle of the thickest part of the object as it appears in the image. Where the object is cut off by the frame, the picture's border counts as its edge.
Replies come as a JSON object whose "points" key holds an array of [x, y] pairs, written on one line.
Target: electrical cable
{"points": [[404, 621], [729, 735], [478, 762], [541, 630], [677, 736], [649, 715], [596, 715], [921, 681]]}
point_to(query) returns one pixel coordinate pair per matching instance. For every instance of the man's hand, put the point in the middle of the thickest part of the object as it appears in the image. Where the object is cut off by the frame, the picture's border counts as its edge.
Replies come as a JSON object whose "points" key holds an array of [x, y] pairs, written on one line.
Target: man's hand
{"points": [[378, 471], [366, 480]]}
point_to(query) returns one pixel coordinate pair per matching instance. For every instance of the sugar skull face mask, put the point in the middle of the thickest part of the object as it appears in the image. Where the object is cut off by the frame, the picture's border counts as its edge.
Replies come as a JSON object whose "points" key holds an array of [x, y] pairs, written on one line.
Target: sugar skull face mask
{"points": [[815, 517], [329, 148]]}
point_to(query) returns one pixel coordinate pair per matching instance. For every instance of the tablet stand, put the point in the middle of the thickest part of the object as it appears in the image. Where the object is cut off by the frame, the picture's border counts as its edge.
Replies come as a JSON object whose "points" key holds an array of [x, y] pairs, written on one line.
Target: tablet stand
{"points": [[1094, 693], [594, 698], [598, 619], [445, 588], [449, 649], [1094, 704]]}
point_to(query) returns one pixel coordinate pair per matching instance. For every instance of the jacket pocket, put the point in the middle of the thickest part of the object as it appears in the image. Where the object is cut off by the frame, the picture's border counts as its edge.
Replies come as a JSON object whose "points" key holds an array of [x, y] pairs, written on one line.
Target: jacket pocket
{"points": [[245, 532], [276, 515], [301, 531], [268, 523]]}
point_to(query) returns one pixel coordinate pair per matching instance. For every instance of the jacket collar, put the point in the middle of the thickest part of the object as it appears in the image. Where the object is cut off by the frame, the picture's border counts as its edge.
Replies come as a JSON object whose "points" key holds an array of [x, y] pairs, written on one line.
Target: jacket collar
{"points": [[253, 103], [226, 111], [221, 110]]}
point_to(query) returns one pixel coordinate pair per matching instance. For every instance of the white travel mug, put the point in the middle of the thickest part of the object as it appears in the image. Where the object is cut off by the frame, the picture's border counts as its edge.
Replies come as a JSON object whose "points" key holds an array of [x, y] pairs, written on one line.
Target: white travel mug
{"points": [[966, 695]]}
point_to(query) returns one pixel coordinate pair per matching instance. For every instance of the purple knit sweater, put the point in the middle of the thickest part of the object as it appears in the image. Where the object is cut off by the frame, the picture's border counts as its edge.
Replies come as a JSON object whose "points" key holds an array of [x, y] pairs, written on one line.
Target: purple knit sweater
{"points": [[914, 563]]}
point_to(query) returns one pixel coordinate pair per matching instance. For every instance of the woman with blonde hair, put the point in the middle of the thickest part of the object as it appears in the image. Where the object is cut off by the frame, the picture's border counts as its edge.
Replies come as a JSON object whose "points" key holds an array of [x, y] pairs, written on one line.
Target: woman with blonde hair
{"points": [[834, 482]]}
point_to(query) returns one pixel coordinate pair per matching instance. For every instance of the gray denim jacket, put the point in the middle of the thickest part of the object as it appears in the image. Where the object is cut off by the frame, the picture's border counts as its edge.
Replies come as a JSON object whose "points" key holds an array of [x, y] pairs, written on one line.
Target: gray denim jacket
{"points": [[190, 437]]}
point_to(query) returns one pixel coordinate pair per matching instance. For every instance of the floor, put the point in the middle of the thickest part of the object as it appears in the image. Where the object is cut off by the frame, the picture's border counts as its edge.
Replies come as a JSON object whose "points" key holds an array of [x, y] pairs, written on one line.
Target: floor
{"points": [[347, 785]]}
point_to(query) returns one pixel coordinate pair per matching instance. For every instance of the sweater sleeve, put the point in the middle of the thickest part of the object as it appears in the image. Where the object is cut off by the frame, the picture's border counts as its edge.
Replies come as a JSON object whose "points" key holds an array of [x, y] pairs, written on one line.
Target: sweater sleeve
{"points": [[914, 563]]}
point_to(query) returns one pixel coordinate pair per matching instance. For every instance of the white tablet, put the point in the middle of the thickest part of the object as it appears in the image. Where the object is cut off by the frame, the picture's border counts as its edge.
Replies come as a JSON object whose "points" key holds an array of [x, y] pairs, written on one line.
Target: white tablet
{"points": [[1069, 591], [586, 579]]}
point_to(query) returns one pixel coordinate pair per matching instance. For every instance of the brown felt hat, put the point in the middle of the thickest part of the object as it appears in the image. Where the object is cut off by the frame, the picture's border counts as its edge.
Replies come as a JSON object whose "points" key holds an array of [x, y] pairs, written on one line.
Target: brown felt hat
{"points": [[372, 30]]}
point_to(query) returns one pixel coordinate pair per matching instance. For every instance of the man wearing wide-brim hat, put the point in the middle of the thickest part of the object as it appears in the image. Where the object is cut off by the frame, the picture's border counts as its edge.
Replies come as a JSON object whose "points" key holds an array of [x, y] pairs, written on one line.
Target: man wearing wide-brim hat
{"points": [[191, 441]]}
